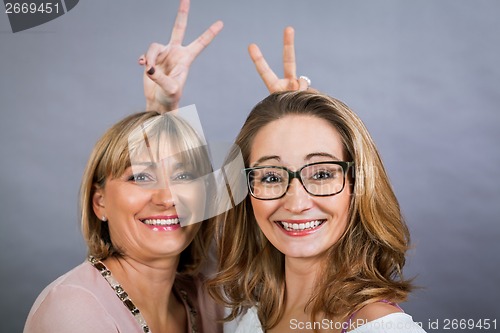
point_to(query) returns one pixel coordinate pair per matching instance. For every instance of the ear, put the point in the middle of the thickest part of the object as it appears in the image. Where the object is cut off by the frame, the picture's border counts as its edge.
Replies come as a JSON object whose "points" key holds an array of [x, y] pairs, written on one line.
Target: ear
{"points": [[98, 203]]}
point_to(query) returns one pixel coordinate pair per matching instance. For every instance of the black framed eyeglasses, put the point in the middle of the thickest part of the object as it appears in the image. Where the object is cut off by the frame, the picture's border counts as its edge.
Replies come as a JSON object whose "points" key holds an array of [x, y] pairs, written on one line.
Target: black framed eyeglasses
{"points": [[319, 179]]}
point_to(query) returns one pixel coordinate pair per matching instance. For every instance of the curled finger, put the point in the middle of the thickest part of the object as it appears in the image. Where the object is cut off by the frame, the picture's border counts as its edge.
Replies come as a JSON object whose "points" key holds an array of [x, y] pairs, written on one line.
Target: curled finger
{"points": [[152, 54], [142, 60]]}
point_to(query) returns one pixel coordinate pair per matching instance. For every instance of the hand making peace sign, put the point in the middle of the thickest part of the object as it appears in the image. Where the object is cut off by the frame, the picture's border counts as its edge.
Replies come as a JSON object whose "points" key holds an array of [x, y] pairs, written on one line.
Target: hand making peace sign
{"points": [[167, 66], [271, 80]]}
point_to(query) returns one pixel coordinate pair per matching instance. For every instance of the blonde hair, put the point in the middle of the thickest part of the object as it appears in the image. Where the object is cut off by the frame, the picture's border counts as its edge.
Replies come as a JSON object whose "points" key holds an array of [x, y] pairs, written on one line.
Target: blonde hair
{"points": [[111, 157], [364, 266]]}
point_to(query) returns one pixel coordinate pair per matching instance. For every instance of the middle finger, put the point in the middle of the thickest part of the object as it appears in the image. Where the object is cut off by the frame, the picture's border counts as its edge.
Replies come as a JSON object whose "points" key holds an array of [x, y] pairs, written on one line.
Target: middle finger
{"points": [[289, 65]]}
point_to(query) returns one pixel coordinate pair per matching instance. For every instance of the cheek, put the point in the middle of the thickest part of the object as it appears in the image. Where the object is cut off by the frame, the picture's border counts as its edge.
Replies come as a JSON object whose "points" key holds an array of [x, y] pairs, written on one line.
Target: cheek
{"points": [[263, 209], [129, 199], [344, 202], [197, 192], [337, 206], [191, 201], [257, 207]]}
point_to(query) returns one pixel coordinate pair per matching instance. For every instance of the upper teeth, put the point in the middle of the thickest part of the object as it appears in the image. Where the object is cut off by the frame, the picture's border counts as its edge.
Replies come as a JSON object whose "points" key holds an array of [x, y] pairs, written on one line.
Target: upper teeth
{"points": [[161, 221], [301, 226]]}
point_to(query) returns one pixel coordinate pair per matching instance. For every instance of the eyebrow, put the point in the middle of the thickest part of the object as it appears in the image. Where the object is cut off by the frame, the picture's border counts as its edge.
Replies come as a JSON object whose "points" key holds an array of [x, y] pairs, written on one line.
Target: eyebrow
{"points": [[179, 165], [307, 158], [147, 164], [322, 154], [266, 158]]}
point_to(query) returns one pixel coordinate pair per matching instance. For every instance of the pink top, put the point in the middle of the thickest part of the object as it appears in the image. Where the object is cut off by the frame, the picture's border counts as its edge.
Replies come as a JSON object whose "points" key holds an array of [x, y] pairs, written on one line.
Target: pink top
{"points": [[82, 301]]}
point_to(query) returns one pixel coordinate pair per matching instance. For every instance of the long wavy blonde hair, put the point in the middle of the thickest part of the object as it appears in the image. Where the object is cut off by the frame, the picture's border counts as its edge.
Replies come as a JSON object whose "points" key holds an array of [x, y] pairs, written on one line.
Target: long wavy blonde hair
{"points": [[364, 266]]}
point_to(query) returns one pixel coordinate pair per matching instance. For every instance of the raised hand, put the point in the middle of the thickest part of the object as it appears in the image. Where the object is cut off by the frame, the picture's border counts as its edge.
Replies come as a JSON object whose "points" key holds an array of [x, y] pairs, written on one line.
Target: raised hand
{"points": [[167, 66], [271, 80]]}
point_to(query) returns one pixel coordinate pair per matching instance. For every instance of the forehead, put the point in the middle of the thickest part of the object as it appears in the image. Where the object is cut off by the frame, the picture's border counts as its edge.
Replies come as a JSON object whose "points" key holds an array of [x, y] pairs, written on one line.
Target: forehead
{"points": [[163, 136], [161, 142], [294, 138]]}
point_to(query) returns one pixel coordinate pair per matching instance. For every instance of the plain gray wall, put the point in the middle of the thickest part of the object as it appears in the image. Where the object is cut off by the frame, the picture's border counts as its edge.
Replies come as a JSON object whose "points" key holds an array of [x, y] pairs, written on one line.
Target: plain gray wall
{"points": [[423, 75]]}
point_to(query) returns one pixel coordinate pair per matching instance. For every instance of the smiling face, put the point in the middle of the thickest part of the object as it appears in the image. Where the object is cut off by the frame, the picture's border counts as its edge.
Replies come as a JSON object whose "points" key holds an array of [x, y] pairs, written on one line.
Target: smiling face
{"points": [[300, 225], [153, 207]]}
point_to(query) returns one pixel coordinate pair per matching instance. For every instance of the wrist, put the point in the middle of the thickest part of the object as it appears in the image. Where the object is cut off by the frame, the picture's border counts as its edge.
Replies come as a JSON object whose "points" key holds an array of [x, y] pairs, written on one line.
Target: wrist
{"points": [[161, 107]]}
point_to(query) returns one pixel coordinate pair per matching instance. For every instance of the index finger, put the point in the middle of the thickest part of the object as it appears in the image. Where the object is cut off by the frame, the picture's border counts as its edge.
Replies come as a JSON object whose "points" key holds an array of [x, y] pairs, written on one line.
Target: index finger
{"points": [[265, 72], [289, 65], [180, 23]]}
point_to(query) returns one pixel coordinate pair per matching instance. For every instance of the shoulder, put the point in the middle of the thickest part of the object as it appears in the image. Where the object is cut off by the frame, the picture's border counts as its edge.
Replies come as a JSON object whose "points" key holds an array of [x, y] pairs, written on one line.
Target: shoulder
{"points": [[68, 308], [375, 311], [383, 317], [73, 303], [248, 322], [83, 279]]}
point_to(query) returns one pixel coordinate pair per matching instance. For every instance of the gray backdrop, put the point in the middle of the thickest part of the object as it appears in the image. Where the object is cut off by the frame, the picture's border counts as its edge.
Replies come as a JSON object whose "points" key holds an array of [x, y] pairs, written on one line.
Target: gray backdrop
{"points": [[423, 75]]}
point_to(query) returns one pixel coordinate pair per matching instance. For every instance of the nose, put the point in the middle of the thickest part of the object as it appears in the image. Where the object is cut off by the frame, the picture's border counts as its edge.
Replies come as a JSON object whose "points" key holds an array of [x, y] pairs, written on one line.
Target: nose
{"points": [[163, 197], [296, 199]]}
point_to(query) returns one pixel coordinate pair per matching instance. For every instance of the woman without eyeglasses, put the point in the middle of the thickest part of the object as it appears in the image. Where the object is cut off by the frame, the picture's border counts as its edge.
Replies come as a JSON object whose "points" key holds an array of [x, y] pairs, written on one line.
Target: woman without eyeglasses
{"points": [[143, 195], [141, 201]]}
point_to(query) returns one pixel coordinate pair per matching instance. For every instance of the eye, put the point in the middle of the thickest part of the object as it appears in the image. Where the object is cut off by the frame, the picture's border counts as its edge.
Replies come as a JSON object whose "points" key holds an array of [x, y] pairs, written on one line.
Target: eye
{"points": [[183, 176], [271, 178], [324, 174], [141, 177]]}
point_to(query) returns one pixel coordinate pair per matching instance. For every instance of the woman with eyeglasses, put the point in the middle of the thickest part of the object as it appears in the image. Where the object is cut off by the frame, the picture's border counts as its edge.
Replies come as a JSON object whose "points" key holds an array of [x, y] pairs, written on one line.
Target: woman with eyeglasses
{"points": [[319, 244]]}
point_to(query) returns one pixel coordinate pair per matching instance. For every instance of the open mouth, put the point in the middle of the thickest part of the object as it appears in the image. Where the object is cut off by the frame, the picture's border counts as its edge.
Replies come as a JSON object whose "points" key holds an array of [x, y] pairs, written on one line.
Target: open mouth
{"points": [[305, 226], [161, 222]]}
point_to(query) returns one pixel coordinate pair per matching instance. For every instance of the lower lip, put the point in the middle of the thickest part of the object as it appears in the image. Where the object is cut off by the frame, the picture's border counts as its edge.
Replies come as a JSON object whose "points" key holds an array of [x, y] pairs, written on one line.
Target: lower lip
{"points": [[160, 228], [299, 233]]}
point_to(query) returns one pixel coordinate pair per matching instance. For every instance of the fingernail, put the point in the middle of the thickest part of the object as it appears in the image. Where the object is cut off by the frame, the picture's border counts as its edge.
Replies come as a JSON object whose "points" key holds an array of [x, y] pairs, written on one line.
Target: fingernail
{"points": [[151, 71]]}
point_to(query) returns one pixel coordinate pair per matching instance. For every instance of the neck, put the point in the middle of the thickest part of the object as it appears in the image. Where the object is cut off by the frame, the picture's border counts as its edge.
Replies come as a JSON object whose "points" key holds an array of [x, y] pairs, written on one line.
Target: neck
{"points": [[300, 278], [149, 284]]}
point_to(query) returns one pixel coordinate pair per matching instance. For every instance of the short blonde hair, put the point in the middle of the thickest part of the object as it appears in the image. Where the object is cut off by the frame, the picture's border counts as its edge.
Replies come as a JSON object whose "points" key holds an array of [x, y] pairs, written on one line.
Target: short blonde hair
{"points": [[365, 265], [111, 157]]}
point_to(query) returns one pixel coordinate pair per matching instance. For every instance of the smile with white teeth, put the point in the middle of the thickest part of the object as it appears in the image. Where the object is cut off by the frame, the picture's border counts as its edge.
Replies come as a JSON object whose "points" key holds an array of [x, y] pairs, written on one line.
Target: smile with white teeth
{"points": [[301, 226], [161, 221]]}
